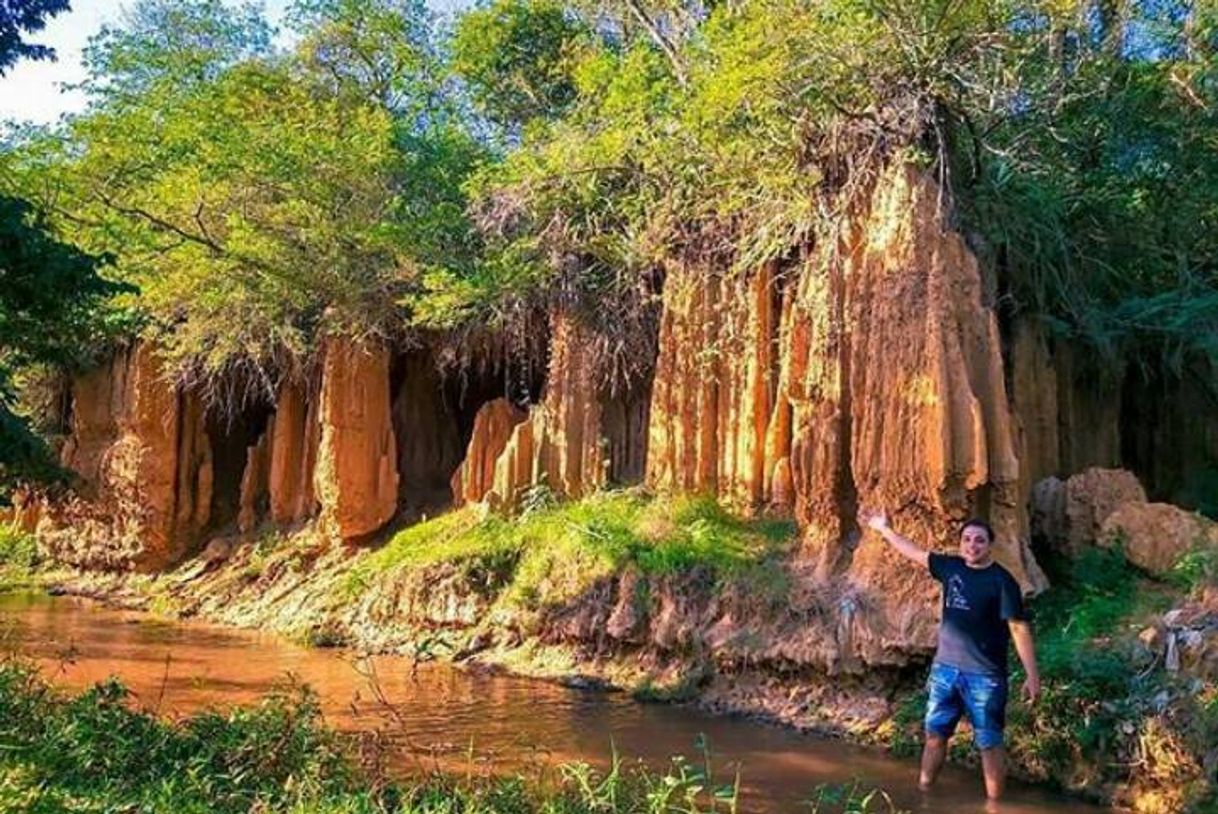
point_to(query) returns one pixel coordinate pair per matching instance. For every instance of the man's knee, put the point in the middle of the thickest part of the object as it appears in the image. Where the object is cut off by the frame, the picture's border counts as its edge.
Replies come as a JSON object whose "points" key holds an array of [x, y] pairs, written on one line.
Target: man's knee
{"points": [[988, 739]]}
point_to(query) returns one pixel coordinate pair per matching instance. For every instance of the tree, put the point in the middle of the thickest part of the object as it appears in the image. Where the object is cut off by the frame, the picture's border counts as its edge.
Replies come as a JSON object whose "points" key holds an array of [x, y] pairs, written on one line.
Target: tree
{"points": [[163, 46], [517, 57], [50, 293], [51, 297], [21, 17]]}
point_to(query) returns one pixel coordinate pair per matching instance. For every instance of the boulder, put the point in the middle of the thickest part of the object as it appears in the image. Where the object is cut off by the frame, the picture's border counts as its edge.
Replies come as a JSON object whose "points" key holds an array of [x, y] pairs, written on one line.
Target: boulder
{"points": [[1154, 536], [1091, 496]]}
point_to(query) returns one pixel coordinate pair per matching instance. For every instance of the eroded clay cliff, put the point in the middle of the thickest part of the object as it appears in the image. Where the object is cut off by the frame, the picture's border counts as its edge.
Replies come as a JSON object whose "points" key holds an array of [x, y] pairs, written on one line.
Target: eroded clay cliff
{"points": [[356, 477], [568, 441], [493, 427], [869, 376], [141, 449]]}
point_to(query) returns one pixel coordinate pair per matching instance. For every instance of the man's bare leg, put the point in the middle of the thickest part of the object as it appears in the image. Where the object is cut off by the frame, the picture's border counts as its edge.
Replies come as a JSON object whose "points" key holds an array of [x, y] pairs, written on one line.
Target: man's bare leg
{"points": [[933, 755], [993, 766]]}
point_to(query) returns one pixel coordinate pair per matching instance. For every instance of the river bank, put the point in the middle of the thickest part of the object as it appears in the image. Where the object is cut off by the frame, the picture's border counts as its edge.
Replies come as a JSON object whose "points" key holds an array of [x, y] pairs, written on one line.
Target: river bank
{"points": [[723, 634], [409, 722]]}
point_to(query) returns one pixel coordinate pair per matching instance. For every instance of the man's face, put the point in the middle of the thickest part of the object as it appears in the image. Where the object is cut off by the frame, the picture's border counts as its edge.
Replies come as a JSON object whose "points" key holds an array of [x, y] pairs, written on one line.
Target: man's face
{"points": [[975, 546]]}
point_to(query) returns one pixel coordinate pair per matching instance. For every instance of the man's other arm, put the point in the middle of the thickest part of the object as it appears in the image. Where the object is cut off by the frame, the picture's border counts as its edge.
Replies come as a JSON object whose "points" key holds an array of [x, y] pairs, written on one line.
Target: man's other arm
{"points": [[1021, 634], [904, 546]]}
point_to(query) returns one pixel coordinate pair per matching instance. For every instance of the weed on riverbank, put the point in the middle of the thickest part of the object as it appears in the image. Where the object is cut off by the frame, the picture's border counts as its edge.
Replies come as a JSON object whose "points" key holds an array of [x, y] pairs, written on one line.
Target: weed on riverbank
{"points": [[18, 559], [94, 752]]}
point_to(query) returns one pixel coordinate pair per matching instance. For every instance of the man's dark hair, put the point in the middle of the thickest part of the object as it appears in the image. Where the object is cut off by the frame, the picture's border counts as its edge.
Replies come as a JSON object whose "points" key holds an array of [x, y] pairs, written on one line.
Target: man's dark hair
{"points": [[981, 524]]}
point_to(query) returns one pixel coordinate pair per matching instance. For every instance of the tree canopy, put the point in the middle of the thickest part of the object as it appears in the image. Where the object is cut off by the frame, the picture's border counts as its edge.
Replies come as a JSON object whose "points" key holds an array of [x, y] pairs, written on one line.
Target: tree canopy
{"points": [[388, 172], [51, 294]]}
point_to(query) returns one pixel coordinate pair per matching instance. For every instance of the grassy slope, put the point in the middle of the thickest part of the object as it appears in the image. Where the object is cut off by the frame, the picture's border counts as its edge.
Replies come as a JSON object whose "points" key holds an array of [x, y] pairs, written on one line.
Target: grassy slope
{"points": [[555, 550]]}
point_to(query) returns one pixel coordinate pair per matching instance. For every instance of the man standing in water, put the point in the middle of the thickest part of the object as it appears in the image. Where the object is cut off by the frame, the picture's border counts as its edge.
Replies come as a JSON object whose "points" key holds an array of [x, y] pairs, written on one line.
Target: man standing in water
{"points": [[982, 611]]}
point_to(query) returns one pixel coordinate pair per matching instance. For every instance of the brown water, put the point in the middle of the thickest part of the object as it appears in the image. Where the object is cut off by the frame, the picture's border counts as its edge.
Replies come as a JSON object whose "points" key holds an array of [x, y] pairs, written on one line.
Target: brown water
{"points": [[442, 715]]}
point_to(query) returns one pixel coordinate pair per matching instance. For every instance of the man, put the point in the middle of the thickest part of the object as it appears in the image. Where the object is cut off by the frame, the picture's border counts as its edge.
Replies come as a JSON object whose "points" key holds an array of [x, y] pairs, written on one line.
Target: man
{"points": [[982, 611]]}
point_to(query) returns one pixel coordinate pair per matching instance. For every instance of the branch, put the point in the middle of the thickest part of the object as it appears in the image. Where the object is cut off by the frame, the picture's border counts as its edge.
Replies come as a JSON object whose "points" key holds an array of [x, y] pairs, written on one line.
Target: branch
{"points": [[161, 223], [203, 240], [670, 51]]}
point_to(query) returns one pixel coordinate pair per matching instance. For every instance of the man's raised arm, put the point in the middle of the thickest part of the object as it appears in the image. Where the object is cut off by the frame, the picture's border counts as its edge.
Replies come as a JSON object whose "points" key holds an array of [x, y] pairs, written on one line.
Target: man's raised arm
{"points": [[904, 546]]}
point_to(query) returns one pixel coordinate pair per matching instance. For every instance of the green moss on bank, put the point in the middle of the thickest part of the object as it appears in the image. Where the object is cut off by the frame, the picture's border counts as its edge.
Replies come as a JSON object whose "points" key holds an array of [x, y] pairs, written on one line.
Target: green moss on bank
{"points": [[553, 551]]}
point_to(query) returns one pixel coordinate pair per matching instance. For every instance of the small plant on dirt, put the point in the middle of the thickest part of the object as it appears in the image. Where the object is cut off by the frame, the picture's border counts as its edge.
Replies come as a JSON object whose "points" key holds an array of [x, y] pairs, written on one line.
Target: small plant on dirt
{"points": [[19, 558], [537, 497], [17, 548], [325, 635], [1198, 567], [851, 798]]}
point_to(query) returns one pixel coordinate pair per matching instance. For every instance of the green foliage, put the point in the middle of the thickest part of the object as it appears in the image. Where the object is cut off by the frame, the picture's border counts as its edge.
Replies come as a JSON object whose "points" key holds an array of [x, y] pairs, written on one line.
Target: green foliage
{"points": [[348, 185], [17, 548], [557, 549], [516, 56], [164, 47], [52, 312], [261, 201], [852, 798], [1094, 688], [20, 18], [95, 753], [1198, 567]]}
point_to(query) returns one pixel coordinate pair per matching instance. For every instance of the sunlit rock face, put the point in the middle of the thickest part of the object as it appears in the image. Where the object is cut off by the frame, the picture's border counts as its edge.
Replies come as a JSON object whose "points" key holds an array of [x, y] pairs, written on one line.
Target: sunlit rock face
{"points": [[356, 477], [295, 435], [493, 427], [900, 403], [715, 386], [870, 376], [140, 446], [579, 437]]}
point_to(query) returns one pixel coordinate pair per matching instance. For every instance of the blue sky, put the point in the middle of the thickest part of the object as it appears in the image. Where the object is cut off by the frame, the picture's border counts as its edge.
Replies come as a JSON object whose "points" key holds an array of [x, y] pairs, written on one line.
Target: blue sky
{"points": [[33, 91]]}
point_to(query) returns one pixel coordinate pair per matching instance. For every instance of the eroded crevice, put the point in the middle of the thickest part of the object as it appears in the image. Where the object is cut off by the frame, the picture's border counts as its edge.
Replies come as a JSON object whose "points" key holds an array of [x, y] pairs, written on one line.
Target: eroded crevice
{"points": [[435, 412], [233, 433]]}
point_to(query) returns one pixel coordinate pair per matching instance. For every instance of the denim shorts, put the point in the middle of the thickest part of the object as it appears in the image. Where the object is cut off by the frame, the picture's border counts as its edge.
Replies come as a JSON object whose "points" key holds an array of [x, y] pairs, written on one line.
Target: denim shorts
{"points": [[954, 692]]}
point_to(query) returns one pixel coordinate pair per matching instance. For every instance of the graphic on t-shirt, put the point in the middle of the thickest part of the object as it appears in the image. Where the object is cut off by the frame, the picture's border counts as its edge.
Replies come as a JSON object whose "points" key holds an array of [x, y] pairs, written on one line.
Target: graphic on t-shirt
{"points": [[954, 597]]}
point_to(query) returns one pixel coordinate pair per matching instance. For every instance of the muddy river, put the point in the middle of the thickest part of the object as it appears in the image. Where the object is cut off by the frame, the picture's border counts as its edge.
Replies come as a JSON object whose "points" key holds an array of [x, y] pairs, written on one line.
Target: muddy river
{"points": [[445, 717]]}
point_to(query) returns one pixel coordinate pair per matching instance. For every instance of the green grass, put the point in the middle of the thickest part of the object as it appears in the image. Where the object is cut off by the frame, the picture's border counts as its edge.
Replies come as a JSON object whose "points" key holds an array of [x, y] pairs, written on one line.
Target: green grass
{"points": [[1103, 705], [94, 753], [1196, 568], [554, 550], [19, 559]]}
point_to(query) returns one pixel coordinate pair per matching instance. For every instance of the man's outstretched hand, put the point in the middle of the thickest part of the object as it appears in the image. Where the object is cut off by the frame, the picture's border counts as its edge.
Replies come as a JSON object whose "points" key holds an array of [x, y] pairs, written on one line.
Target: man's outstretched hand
{"points": [[878, 521]]}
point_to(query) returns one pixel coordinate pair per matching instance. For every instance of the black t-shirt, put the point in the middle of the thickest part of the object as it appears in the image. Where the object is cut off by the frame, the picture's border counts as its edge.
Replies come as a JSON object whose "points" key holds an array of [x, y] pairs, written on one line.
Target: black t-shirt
{"points": [[977, 603]]}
